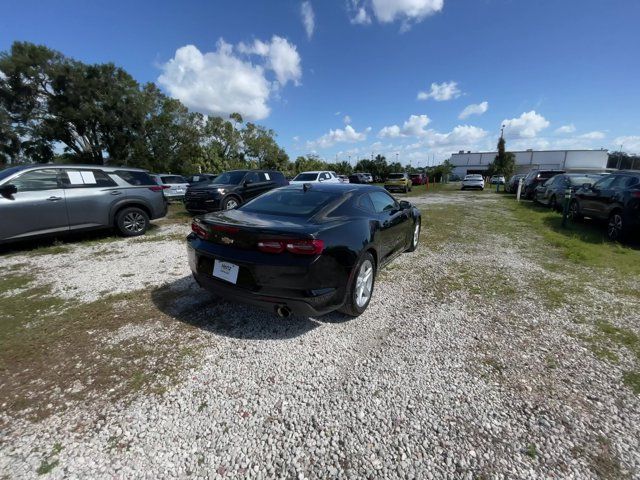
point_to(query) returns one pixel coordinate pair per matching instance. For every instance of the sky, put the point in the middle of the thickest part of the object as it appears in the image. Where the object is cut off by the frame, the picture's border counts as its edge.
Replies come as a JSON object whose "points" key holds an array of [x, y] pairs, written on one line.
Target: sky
{"points": [[414, 80]]}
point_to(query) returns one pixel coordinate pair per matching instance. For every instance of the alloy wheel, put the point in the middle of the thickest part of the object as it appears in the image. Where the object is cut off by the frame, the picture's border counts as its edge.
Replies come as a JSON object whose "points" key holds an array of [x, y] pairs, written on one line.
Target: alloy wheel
{"points": [[364, 283], [231, 204], [133, 222], [614, 229]]}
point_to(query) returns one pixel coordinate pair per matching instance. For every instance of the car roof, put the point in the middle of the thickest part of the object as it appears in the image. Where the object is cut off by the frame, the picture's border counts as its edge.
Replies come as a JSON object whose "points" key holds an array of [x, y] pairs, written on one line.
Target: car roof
{"points": [[106, 168], [314, 171], [336, 187]]}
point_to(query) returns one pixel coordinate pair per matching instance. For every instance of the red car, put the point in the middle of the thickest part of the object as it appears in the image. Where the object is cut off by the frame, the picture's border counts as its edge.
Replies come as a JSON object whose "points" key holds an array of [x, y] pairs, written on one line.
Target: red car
{"points": [[418, 178]]}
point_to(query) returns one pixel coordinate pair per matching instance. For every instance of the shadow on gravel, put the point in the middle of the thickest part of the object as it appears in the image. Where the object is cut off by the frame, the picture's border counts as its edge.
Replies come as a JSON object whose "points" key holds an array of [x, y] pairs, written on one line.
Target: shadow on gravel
{"points": [[185, 301]]}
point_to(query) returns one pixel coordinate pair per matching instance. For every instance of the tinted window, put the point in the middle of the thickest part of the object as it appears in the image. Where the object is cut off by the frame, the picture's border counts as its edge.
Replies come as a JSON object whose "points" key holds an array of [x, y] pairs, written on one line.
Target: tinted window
{"points": [[135, 178], [37, 180], [382, 202], [605, 182], [9, 171], [265, 177], [85, 178], [252, 177], [623, 181], [306, 177], [364, 203], [396, 176], [290, 202], [230, 178], [173, 179], [278, 177], [577, 181]]}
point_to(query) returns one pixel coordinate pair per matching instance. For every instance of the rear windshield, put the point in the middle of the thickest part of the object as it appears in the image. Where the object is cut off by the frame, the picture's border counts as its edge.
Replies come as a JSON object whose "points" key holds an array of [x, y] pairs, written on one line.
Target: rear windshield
{"points": [[135, 178], [230, 178], [173, 179], [582, 180], [395, 176], [290, 202], [306, 177]]}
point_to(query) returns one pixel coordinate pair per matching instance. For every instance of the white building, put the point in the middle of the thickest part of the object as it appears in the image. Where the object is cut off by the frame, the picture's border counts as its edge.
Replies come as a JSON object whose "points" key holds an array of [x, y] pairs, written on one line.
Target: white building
{"points": [[568, 160]]}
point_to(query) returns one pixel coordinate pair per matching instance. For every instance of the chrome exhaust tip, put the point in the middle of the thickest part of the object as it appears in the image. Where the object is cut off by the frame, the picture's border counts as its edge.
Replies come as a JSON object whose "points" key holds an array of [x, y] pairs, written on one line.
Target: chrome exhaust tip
{"points": [[283, 311]]}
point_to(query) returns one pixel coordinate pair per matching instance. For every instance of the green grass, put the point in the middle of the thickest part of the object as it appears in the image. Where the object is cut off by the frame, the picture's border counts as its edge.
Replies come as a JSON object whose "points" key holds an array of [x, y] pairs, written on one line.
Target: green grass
{"points": [[531, 451], [632, 380]]}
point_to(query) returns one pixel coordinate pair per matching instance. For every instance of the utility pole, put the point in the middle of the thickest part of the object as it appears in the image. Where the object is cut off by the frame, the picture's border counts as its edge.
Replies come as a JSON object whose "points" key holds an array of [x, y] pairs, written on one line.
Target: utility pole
{"points": [[502, 132]]}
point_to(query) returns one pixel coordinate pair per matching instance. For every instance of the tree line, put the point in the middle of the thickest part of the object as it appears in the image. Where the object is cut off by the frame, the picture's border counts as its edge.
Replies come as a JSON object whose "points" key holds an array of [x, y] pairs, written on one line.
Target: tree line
{"points": [[54, 108]]}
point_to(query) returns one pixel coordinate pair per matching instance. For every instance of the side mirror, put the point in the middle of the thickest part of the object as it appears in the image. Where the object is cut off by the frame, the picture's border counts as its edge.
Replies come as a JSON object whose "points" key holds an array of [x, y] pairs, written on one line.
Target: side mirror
{"points": [[321, 179], [587, 186], [247, 182], [404, 204], [8, 190]]}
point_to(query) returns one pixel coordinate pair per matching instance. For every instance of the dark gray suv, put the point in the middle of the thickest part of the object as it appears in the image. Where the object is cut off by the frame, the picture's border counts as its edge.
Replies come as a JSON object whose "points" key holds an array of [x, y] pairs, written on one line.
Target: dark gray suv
{"points": [[52, 199]]}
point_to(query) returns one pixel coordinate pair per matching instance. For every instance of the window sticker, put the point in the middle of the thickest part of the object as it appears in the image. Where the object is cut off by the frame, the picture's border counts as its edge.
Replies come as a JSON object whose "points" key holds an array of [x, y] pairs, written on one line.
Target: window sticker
{"points": [[88, 177], [75, 178], [267, 175]]}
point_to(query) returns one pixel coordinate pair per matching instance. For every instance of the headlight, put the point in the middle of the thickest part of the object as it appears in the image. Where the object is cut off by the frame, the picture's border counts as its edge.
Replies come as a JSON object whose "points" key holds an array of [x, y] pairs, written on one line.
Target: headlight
{"points": [[220, 190]]}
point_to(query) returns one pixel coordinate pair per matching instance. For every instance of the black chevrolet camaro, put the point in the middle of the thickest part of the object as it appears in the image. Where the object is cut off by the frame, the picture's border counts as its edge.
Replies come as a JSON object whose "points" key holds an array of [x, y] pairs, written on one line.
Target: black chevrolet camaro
{"points": [[303, 249]]}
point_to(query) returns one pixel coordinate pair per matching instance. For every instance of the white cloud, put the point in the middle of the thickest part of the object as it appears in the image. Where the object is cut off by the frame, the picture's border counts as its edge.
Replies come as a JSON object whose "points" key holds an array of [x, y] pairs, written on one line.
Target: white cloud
{"points": [[527, 125], [462, 135], [441, 92], [629, 144], [413, 127], [222, 82], [474, 109], [407, 12], [308, 18], [346, 119], [348, 135], [595, 135], [570, 128], [281, 56], [296, 138]]}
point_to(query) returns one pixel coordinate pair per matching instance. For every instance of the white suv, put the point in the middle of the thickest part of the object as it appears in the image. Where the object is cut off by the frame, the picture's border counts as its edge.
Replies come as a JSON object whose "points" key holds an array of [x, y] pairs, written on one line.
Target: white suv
{"points": [[316, 177]]}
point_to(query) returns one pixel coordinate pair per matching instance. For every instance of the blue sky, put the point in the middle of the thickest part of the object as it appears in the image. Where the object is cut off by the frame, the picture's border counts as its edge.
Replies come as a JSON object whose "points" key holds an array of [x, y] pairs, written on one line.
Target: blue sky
{"points": [[348, 82]]}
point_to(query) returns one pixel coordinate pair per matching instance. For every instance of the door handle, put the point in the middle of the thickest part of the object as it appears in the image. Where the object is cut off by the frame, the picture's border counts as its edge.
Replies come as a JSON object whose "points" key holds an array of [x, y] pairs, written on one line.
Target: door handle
{"points": [[54, 199], [116, 192]]}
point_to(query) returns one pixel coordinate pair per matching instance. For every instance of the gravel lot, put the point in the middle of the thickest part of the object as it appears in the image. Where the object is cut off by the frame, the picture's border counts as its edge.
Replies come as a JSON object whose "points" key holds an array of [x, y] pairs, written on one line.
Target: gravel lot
{"points": [[460, 368]]}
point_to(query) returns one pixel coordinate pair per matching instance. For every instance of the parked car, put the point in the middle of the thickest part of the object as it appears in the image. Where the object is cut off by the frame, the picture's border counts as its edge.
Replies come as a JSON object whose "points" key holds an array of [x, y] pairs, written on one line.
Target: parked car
{"points": [[303, 249], [358, 178], [316, 177], [473, 181], [368, 177], [39, 200], [551, 193], [512, 184], [498, 180], [343, 178], [175, 185], [535, 178], [399, 182], [231, 189], [614, 198], [418, 178], [201, 178]]}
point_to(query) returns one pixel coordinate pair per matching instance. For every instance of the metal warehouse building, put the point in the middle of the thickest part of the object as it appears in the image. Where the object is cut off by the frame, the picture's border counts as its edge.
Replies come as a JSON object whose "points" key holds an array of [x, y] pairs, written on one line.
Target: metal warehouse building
{"points": [[568, 160]]}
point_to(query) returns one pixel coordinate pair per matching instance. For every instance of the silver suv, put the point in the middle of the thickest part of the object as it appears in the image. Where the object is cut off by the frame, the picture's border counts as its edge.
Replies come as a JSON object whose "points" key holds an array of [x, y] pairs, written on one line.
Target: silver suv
{"points": [[51, 199]]}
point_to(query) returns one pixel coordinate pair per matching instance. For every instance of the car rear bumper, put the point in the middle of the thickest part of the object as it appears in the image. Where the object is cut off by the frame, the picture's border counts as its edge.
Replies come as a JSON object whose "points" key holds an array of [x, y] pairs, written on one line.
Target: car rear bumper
{"points": [[270, 281], [400, 188]]}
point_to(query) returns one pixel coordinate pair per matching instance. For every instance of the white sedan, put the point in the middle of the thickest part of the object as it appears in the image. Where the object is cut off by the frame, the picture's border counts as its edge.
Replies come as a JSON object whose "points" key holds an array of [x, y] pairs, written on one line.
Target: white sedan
{"points": [[316, 177], [473, 181]]}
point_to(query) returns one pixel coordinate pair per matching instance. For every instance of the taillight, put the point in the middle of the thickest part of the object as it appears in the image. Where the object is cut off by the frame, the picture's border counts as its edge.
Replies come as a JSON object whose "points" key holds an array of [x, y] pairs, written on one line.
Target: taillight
{"points": [[199, 230], [156, 188], [295, 246], [224, 228]]}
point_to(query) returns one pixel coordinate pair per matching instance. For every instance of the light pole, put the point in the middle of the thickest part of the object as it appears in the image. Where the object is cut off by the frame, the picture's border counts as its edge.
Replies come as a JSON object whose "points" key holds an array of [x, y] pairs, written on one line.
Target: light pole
{"points": [[502, 132]]}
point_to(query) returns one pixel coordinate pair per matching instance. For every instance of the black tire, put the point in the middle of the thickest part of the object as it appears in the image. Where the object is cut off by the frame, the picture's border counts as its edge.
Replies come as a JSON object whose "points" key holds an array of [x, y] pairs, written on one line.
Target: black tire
{"points": [[574, 212], [351, 306], [230, 202], [415, 239], [132, 222], [616, 226]]}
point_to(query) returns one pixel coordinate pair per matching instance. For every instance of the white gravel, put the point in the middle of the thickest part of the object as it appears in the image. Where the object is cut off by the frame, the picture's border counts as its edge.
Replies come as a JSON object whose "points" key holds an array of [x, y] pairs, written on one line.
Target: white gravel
{"points": [[417, 387]]}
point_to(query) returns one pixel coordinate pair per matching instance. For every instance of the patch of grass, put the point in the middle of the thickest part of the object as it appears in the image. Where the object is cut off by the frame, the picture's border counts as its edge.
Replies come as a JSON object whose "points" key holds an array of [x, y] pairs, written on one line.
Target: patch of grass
{"points": [[531, 451], [632, 380], [47, 466], [14, 281], [494, 363]]}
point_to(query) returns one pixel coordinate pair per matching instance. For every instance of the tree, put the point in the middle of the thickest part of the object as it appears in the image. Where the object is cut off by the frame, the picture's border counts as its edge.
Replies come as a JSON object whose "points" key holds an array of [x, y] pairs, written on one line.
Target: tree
{"points": [[504, 163], [341, 168]]}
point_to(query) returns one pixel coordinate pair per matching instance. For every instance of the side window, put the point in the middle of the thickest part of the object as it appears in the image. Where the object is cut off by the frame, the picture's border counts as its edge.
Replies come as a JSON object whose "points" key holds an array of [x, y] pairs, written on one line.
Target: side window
{"points": [[382, 202], [36, 180], [624, 181], [85, 179], [251, 177], [265, 177], [326, 176], [135, 177], [605, 182], [364, 203]]}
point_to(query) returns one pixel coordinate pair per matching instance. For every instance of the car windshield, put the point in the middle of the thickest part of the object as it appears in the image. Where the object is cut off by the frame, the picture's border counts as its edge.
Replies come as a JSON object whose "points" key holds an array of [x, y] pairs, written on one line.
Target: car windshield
{"points": [[290, 202], [396, 176], [473, 177], [173, 179], [230, 178], [306, 177]]}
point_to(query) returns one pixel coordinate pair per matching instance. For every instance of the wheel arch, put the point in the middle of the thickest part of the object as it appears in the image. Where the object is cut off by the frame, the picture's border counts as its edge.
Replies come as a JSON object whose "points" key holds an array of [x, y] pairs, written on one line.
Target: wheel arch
{"points": [[117, 208]]}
